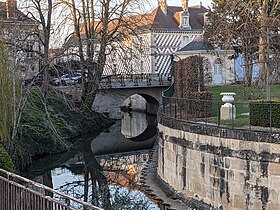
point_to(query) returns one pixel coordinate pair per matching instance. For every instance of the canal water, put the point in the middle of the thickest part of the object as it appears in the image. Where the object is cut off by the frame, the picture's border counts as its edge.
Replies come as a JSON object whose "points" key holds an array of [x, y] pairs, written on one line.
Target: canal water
{"points": [[105, 169]]}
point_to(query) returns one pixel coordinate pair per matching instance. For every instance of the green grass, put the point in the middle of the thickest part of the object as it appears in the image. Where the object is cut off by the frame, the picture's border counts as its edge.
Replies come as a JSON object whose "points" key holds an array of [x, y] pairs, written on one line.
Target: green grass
{"points": [[243, 93], [240, 121], [242, 99]]}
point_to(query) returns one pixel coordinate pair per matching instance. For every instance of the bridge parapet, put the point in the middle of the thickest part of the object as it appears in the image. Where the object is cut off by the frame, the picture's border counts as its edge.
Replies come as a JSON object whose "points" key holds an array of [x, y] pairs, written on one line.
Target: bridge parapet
{"points": [[134, 81]]}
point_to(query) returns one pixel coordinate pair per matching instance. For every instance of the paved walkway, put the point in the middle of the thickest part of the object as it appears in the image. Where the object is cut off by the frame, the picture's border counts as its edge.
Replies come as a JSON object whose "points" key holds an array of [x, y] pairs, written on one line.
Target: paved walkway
{"points": [[150, 185]]}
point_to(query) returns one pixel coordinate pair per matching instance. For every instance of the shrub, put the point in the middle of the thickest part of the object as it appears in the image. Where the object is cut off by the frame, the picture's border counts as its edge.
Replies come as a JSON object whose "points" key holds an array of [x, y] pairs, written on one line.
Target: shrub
{"points": [[262, 111], [5, 160]]}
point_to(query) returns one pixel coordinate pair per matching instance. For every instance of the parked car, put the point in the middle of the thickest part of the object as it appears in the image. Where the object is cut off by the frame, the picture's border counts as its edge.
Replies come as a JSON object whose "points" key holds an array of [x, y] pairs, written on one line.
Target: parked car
{"points": [[63, 80], [77, 77], [67, 79], [36, 80]]}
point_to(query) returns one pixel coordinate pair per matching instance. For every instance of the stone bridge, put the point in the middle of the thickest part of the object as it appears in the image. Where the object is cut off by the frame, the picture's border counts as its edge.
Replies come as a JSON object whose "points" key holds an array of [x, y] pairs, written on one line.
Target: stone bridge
{"points": [[114, 90]]}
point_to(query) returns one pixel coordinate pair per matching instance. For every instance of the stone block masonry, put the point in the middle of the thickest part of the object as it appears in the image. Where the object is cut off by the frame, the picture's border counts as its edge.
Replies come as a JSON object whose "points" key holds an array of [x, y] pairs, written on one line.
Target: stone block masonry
{"points": [[219, 169]]}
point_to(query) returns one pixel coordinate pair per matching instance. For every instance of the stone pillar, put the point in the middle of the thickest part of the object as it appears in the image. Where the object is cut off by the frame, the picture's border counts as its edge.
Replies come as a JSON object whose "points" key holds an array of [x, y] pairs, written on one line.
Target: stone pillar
{"points": [[228, 110]]}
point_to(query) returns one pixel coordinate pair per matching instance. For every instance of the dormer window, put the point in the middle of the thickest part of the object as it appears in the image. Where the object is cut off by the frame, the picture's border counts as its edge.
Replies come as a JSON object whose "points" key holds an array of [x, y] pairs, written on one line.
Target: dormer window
{"points": [[185, 20]]}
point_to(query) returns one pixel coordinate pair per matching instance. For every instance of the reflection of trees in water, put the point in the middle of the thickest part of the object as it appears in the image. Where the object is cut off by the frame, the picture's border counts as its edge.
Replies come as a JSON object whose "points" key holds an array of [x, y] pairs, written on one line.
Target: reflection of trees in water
{"points": [[107, 187]]}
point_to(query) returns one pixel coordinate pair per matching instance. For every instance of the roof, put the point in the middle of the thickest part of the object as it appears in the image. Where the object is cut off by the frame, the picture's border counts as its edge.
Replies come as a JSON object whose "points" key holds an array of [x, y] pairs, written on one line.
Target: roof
{"points": [[198, 44], [155, 20], [171, 20]]}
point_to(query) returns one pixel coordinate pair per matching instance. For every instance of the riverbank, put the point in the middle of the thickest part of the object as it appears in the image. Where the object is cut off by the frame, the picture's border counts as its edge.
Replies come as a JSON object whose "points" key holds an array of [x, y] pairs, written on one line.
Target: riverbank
{"points": [[50, 126]]}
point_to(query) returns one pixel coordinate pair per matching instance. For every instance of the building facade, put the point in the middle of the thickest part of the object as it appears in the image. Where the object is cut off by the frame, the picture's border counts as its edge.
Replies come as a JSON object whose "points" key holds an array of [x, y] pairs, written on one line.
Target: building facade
{"points": [[218, 64], [157, 36], [20, 34], [169, 29]]}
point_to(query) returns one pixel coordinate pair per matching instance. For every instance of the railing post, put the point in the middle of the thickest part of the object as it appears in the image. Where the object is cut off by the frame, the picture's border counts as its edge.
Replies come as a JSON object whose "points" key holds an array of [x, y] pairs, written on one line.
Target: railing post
{"points": [[163, 104], [160, 79], [175, 109], [44, 199], [270, 116], [250, 127], [8, 193], [232, 120], [206, 117], [218, 114], [170, 107]]}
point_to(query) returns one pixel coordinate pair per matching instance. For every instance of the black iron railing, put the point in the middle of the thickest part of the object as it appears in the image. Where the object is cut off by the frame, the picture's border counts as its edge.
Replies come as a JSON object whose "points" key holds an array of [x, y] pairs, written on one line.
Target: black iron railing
{"points": [[209, 112], [144, 79]]}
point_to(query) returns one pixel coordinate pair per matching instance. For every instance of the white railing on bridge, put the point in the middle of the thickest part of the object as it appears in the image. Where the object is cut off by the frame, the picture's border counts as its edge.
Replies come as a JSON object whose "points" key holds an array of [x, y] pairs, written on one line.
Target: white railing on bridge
{"points": [[134, 80], [19, 193]]}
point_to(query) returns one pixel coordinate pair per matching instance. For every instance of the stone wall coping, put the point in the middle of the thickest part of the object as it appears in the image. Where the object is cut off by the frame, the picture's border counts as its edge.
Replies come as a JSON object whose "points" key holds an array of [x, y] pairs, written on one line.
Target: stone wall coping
{"points": [[223, 132]]}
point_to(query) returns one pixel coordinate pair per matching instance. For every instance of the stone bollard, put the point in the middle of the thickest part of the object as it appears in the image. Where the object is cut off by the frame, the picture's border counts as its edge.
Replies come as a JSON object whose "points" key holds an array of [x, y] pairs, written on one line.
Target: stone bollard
{"points": [[228, 110]]}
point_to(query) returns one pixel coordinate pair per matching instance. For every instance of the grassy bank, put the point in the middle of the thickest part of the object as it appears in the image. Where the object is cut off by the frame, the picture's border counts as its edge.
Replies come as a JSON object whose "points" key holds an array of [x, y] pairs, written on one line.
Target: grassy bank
{"points": [[50, 126]]}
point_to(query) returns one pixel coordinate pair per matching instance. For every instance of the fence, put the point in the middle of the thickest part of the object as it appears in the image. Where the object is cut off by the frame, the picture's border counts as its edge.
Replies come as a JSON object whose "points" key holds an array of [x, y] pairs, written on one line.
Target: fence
{"points": [[19, 193], [208, 112]]}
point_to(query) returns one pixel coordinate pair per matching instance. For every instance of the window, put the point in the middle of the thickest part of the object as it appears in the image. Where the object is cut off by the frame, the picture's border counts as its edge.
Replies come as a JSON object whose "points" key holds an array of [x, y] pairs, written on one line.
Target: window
{"points": [[29, 50], [185, 38], [218, 66], [184, 21]]}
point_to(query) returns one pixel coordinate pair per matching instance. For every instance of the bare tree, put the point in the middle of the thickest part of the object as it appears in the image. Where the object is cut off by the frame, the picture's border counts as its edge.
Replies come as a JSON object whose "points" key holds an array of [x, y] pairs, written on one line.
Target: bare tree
{"points": [[41, 11], [98, 27], [243, 26]]}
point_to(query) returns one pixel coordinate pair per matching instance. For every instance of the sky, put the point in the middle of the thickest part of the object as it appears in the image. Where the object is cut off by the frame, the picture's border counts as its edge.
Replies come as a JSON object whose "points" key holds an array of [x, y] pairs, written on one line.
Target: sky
{"points": [[205, 3]]}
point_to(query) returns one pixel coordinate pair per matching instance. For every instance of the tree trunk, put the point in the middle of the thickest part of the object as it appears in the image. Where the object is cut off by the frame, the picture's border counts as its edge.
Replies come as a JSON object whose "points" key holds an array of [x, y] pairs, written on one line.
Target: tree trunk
{"points": [[248, 68], [263, 43]]}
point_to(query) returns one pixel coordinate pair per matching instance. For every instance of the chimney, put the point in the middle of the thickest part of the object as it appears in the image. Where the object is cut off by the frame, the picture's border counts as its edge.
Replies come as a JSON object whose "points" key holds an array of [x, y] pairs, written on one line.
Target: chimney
{"points": [[163, 6], [185, 5], [11, 6], [185, 16]]}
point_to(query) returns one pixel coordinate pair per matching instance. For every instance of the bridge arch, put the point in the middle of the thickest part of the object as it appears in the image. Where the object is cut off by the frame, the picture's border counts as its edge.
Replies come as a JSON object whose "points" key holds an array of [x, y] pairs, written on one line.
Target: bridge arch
{"points": [[109, 101]]}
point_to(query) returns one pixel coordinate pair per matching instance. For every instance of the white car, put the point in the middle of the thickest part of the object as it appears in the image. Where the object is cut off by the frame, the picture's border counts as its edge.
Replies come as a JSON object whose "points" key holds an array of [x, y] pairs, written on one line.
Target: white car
{"points": [[76, 77], [68, 79], [63, 80]]}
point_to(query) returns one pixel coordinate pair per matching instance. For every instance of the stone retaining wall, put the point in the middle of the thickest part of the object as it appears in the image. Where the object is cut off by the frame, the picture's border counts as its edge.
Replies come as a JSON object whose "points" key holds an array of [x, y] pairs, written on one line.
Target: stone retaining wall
{"points": [[219, 170]]}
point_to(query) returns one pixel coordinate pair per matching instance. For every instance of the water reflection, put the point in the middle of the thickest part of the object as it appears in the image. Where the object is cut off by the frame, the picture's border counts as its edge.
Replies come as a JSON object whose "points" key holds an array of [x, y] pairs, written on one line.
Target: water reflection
{"points": [[138, 126], [95, 173]]}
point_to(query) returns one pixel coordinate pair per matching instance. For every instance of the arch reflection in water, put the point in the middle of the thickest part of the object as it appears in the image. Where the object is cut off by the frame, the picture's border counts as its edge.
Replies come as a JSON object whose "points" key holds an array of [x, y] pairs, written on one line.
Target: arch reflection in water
{"points": [[138, 126]]}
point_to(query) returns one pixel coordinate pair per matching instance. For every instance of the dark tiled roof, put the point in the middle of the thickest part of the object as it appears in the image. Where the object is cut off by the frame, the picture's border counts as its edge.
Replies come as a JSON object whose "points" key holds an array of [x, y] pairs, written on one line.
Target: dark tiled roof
{"points": [[171, 20], [199, 43], [155, 20]]}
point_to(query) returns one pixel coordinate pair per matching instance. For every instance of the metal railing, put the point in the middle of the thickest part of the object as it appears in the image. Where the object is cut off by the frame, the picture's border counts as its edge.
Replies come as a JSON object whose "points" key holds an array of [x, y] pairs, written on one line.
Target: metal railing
{"points": [[145, 79], [19, 193], [207, 112]]}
